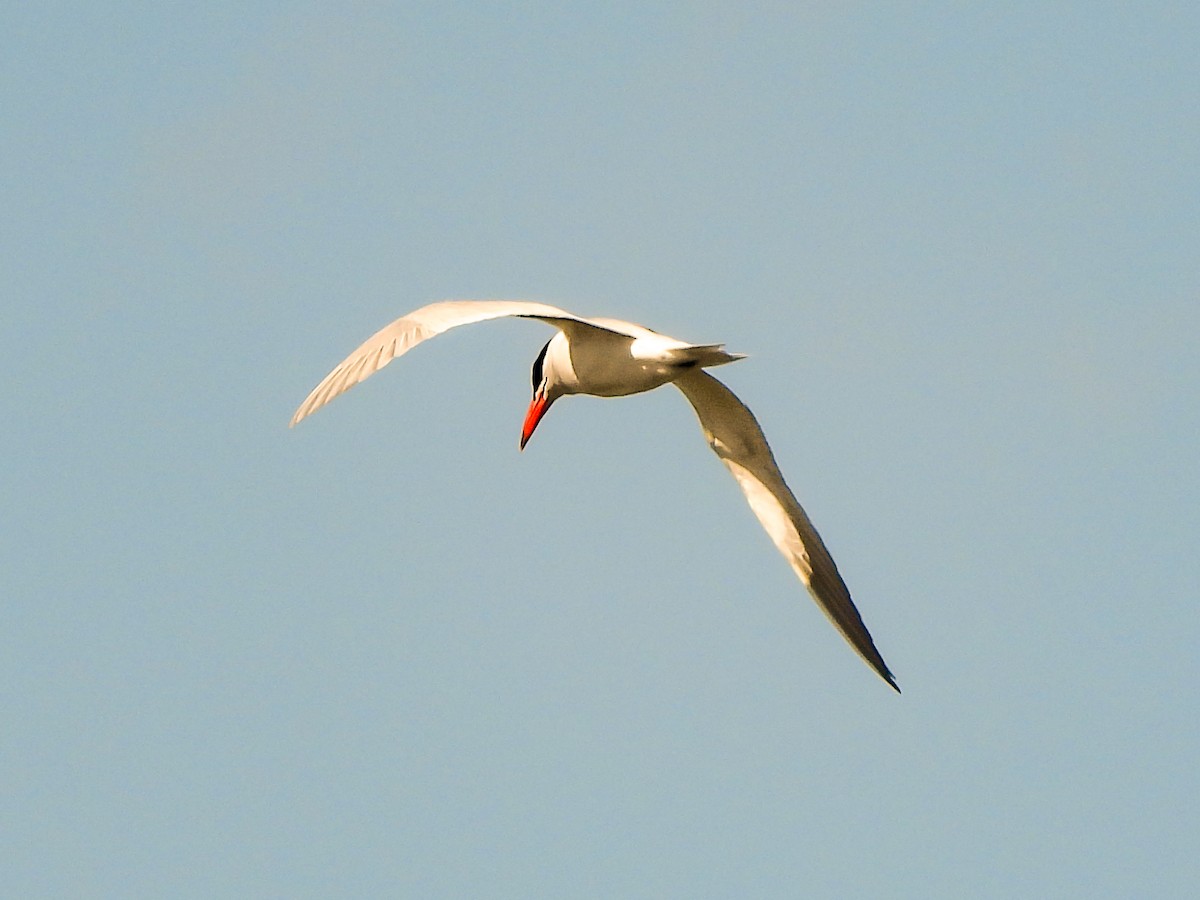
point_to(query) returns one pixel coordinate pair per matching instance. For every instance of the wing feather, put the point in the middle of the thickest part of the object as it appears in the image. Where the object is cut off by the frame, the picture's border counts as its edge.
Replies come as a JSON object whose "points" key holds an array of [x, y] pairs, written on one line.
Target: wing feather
{"points": [[735, 436], [409, 330]]}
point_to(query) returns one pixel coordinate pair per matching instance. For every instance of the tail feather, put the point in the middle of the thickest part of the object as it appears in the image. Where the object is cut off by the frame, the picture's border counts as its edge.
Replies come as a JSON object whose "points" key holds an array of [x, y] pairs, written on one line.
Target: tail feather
{"points": [[703, 355]]}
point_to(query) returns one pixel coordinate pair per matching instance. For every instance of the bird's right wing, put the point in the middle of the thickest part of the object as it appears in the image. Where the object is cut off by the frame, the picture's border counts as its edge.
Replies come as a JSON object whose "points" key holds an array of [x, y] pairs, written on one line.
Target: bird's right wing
{"points": [[406, 332], [735, 436]]}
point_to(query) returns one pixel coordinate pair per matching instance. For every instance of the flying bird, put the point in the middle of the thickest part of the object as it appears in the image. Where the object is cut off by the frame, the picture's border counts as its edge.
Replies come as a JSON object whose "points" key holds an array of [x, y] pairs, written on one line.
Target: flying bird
{"points": [[612, 358]]}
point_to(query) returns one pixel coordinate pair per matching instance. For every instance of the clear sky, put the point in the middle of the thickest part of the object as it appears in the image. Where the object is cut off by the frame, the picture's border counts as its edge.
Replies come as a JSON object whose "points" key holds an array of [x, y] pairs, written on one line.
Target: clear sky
{"points": [[385, 654]]}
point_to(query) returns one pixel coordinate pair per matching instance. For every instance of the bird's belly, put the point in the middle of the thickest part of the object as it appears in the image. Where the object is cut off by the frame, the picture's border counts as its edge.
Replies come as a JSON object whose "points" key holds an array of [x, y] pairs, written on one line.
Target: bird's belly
{"points": [[606, 375], [621, 387]]}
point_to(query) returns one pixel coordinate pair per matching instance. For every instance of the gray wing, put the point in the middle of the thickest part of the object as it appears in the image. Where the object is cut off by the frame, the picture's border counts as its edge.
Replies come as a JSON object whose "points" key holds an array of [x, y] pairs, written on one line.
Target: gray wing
{"points": [[735, 436], [406, 332]]}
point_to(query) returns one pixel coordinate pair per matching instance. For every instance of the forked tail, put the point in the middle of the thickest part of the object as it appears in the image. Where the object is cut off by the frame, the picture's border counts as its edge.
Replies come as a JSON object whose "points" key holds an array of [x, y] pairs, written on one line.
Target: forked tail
{"points": [[703, 355]]}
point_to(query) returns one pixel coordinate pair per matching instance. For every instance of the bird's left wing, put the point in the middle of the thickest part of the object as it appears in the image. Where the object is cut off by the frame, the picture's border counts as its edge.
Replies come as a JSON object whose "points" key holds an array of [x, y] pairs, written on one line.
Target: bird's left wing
{"points": [[735, 436], [409, 330]]}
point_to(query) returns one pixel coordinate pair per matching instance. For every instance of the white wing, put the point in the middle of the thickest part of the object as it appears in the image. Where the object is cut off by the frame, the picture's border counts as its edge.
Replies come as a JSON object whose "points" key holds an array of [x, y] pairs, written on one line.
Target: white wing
{"points": [[735, 436], [406, 332]]}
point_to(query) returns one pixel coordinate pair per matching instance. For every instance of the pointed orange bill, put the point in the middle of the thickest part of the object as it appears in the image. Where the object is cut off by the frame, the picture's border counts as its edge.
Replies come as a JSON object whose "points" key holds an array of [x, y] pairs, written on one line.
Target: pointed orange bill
{"points": [[537, 409]]}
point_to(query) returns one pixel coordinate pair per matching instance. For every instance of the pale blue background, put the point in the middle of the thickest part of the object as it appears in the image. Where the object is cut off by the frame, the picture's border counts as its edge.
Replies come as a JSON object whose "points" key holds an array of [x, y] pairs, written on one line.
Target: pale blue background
{"points": [[385, 654]]}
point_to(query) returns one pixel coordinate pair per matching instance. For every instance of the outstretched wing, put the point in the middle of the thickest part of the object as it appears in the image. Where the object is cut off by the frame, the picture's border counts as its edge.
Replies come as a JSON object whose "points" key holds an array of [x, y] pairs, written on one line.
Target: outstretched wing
{"points": [[406, 332], [735, 436]]}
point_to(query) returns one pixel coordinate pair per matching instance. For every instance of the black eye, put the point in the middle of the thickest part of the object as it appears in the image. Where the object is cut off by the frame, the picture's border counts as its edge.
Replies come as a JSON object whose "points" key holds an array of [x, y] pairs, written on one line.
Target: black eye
{"points": [[537, 367]]}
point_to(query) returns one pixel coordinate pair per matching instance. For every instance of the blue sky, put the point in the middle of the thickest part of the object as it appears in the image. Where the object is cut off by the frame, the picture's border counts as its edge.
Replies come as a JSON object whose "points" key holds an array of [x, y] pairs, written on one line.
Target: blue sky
{"points": [[385, 654]]}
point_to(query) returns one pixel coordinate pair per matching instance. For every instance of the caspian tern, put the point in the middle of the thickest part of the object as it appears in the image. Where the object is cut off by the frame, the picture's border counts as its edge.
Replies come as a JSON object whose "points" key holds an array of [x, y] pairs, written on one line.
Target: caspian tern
{"points": [[611, 358]]}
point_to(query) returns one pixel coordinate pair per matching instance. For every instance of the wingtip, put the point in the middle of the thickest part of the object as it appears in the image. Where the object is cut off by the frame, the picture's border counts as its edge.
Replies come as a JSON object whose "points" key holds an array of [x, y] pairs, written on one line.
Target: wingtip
{"points": [[302, 412], [886, 674]]}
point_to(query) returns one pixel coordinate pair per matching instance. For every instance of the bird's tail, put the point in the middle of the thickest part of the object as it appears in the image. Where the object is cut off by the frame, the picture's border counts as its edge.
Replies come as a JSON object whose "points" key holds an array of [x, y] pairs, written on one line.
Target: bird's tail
{"points": [[703, 356]]}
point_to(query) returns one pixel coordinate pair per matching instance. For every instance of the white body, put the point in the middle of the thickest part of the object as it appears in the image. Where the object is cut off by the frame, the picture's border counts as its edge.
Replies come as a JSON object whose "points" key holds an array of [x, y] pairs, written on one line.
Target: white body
{"points": [[612, 358]]}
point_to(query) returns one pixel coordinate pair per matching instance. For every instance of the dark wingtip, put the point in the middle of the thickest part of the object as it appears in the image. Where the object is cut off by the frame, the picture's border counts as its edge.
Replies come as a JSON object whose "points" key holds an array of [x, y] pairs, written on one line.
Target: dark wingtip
{"points": [[884, 672]]}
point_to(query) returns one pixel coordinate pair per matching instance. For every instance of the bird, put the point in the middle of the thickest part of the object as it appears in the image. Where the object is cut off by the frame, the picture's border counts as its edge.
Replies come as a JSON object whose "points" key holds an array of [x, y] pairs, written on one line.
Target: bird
{"points": [[607, 357]]}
